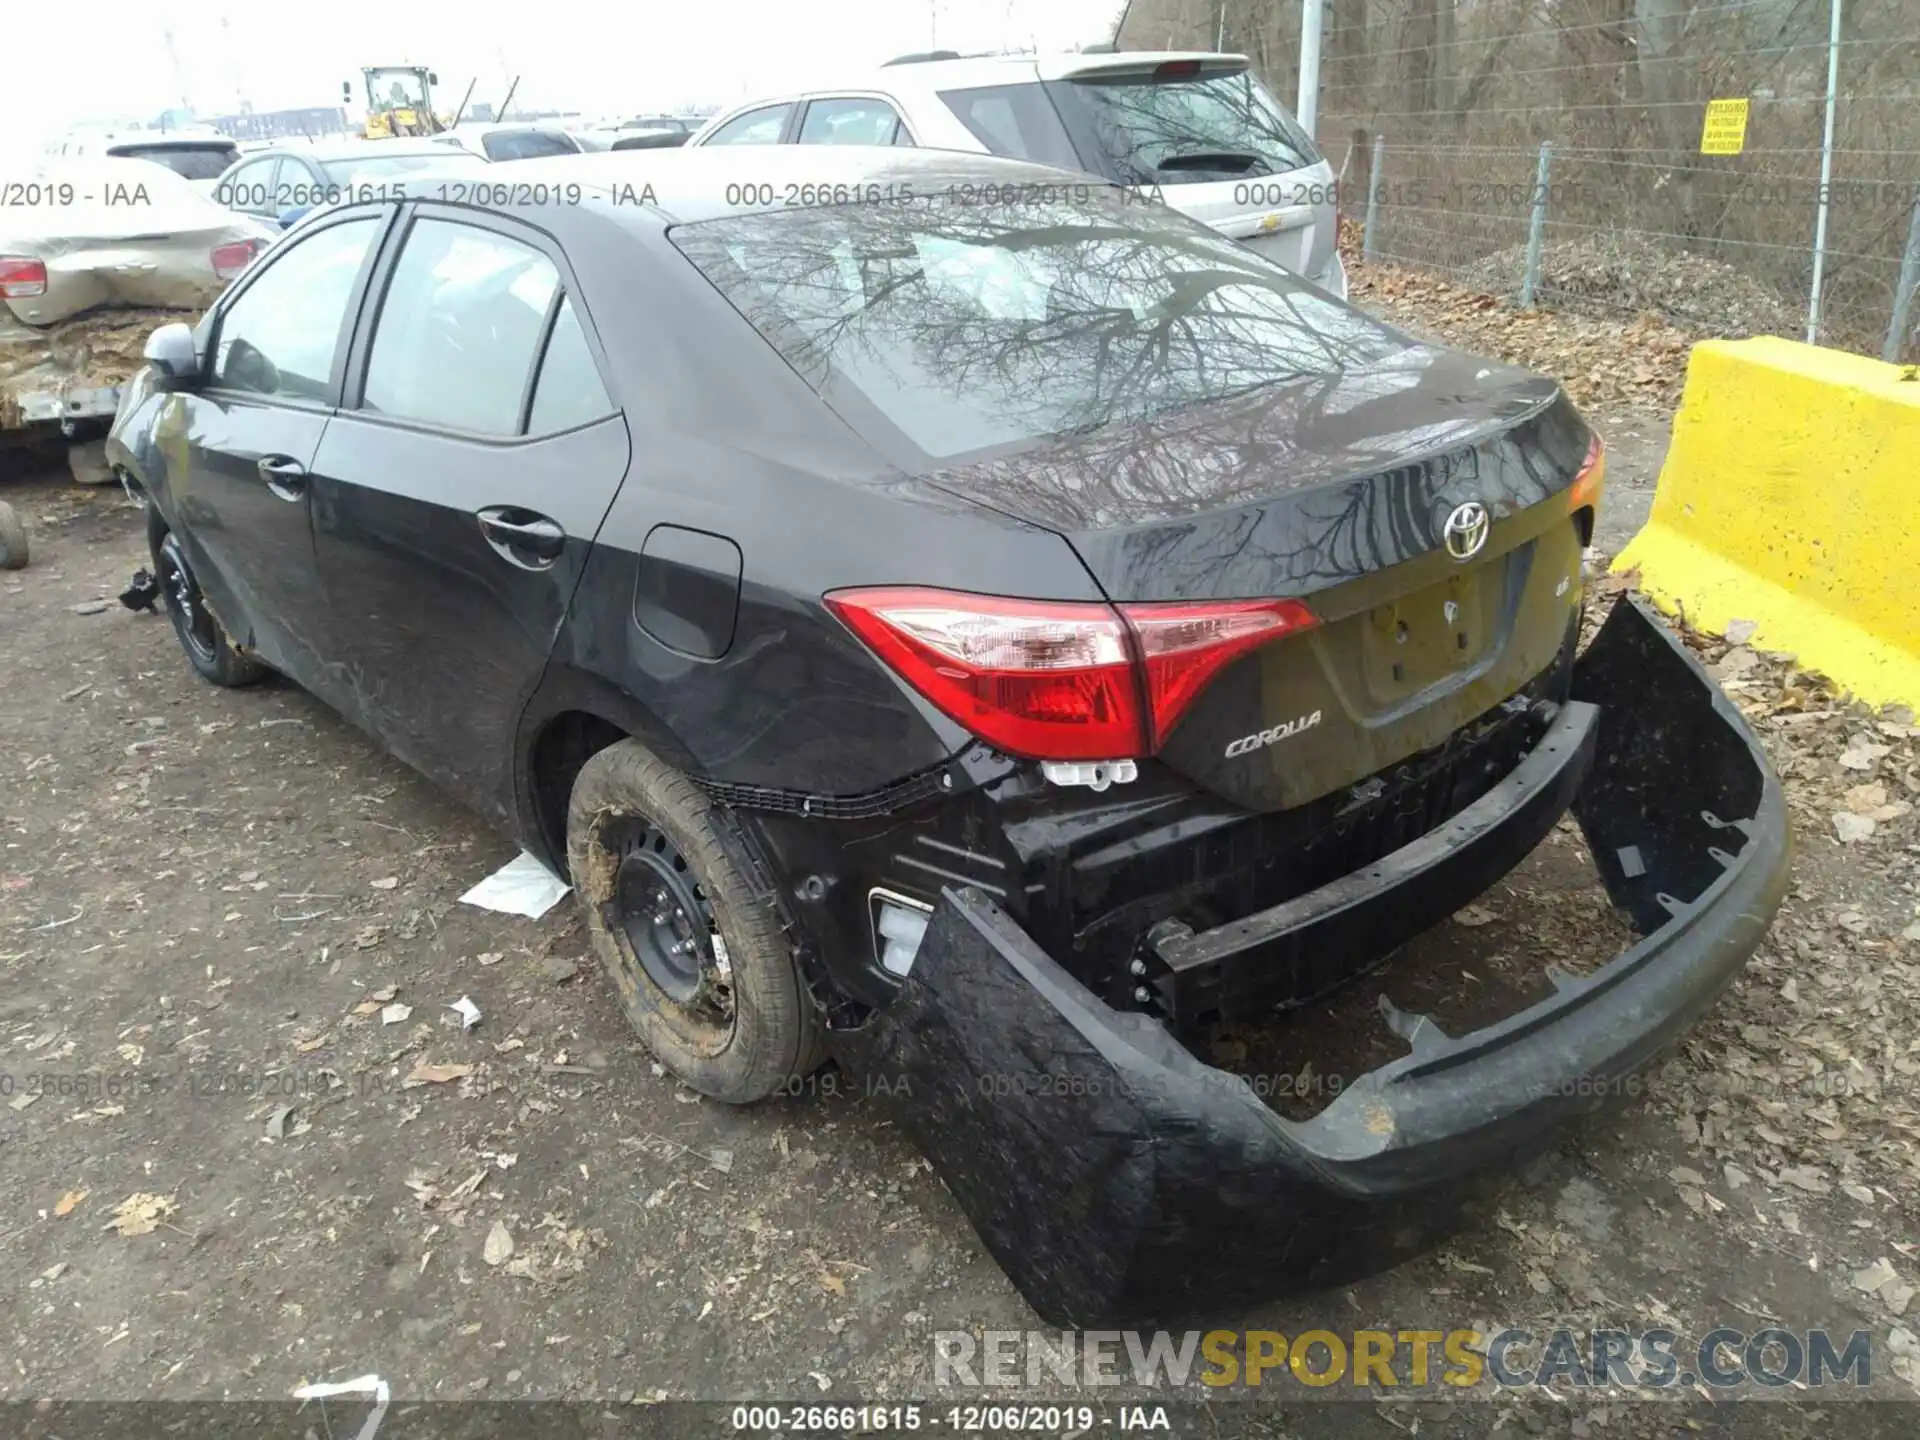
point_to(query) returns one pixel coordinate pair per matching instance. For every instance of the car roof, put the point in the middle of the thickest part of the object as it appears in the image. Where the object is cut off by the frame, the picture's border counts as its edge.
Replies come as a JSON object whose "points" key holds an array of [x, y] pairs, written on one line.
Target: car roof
{"points": [[683, 186], [349, 149], [169, 140], [911, 75]]}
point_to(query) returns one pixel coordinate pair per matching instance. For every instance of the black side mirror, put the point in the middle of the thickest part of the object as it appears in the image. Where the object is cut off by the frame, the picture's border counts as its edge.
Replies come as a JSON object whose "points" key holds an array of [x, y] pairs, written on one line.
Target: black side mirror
{"points": [[171, 353], [432, 79], [346, 90]]}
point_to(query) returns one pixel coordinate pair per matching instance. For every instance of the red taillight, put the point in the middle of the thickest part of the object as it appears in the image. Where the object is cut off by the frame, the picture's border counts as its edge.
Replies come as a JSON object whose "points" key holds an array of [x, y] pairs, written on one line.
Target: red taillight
{"points": [[1060, 680], [1177, 70], [1185, 646], [231, 260], [21, 277], [1592, 479], [1049, 679]]}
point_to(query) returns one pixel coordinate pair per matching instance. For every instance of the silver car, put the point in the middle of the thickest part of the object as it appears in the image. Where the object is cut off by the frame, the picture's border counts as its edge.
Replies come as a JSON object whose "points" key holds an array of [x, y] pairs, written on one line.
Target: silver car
{"points": [[1194, 130]]}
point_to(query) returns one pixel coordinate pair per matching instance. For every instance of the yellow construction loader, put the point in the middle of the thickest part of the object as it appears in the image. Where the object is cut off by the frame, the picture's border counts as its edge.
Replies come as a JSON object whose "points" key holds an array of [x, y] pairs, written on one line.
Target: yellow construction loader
{"points": [[399, 101]]}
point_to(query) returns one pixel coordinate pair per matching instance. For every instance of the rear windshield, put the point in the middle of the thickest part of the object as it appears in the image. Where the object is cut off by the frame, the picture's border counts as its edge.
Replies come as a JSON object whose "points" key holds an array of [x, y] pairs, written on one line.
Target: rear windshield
{"points": [[967, 324], [524, 144], [362, 168], [193, 162], [1140, 128]]}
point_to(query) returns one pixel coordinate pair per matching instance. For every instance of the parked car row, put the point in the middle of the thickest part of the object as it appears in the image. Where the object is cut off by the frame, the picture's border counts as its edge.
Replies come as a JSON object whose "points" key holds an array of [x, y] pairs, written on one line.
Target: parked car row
{"points": [[1196, 129]]}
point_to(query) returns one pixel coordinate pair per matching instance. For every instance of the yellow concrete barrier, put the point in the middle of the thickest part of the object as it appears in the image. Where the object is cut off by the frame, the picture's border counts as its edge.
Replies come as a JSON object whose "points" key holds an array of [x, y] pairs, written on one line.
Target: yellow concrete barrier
{"points": [[1791, 498]]}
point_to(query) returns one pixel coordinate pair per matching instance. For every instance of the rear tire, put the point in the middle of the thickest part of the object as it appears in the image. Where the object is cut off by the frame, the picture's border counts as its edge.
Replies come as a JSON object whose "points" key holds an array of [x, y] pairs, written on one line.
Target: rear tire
{"points": [[661, 874], [201, 634], [13, 539]]}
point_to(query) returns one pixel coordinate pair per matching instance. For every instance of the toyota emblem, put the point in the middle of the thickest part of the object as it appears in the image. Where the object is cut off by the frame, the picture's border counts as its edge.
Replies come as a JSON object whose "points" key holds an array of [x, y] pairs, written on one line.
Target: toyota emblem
{"points": [[1466, 530]]}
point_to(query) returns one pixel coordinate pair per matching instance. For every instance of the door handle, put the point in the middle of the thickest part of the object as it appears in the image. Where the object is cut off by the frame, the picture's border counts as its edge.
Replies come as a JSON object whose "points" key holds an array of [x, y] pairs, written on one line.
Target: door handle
{"points": [[285, 476], [522, 536]]}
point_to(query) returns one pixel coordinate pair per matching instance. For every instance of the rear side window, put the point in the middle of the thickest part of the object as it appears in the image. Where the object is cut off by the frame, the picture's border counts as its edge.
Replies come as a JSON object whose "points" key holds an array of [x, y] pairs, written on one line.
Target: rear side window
{"points": [[849, 121], [459, 328], [524, 144], [190, 162], [280, 334], [757, 127], [1164, 128], [568, 391], [1015, 120]]}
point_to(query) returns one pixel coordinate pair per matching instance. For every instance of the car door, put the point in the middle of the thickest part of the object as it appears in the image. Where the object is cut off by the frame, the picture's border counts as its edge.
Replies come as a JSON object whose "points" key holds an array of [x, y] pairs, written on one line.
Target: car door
{"points": [[458, 492], [276, 353]]}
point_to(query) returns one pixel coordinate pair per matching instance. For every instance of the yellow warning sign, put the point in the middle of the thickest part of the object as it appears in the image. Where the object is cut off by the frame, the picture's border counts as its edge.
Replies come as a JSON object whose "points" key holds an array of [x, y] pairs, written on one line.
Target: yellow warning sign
{"points": [[1725, 132]]}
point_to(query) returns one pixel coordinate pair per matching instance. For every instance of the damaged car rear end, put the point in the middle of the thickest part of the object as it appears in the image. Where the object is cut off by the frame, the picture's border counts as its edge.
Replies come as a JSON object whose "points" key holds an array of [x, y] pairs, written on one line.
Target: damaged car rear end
{"points": [[1305, 679]]}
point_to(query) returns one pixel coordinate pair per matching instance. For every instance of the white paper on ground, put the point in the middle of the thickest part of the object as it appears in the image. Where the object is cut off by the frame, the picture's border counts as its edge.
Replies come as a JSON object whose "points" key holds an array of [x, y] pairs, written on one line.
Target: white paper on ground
{"points": [[522, 886], [369, 1385]]}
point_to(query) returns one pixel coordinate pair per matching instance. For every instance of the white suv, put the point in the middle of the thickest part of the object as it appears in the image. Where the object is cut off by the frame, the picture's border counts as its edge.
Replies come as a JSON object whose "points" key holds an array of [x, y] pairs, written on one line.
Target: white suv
{"points": [[1196, 127]]}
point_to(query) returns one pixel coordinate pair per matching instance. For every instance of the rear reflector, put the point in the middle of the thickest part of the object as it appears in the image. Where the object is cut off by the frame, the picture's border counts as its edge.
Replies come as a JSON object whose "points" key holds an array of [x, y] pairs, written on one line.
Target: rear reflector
{"points": [[231, 260], [1060, 680], [22, 278], [1592, 479]]}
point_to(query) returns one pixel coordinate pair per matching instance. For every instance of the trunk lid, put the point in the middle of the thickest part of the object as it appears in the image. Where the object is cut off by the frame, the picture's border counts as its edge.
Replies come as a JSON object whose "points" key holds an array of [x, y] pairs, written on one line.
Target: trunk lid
{"points": [[1336, 489]]}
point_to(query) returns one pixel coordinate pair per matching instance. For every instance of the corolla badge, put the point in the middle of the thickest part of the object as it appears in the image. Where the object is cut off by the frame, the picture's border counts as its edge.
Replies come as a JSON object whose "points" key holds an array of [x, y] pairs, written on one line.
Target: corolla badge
{"points": [[1286, 730], [1466, 530]]}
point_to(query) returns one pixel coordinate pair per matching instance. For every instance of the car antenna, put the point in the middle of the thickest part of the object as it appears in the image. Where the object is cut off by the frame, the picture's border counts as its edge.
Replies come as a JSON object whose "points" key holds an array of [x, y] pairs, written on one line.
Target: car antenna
{"points": [[506, 103]]}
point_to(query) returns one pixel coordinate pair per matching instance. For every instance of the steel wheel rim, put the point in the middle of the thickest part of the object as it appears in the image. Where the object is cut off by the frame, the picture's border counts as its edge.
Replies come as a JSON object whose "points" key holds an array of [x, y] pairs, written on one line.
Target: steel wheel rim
{"points": [[665, 923], [185, 601]]}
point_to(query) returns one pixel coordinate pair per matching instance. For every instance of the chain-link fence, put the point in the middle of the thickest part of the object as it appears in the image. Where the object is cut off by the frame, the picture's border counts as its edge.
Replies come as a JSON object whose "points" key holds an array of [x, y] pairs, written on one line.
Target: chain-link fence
{"points": [[1551, 150]]}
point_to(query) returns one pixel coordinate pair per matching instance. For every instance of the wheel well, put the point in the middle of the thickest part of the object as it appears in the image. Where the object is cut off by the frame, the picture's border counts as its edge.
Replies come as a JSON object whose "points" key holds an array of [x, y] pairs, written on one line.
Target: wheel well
{"points": [[566, 742]]}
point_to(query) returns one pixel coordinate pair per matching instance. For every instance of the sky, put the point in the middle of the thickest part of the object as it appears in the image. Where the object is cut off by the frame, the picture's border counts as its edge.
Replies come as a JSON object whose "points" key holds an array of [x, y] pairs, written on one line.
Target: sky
{"points": [[616, 60]]}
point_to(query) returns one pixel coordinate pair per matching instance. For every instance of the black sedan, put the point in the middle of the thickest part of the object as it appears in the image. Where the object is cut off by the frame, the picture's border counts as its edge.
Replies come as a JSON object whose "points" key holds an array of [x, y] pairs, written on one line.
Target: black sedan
{"points": [[980, 623]]}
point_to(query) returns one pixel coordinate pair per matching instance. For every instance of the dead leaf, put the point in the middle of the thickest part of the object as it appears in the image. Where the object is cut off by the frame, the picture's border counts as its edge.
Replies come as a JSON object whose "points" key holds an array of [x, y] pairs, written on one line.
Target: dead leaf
{"points": [[426, 1073], [1876, 1276], [140, 1214], [1474, 916], [387, 883], [69, 1202], [395, 1013], [1851, 828], [499, 1245], [1865, 799], [833, 1282], [384, 993]]}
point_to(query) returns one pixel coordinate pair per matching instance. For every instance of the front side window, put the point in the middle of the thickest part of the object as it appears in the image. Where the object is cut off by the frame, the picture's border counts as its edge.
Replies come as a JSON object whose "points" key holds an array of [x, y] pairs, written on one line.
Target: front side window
{"points": [[849, 121], [280, 335], [756, 127], [462, 321]]}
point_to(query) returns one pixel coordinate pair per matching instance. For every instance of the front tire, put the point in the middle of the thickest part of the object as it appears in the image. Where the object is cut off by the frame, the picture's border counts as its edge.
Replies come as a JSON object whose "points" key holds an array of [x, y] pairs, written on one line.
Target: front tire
{"points": [[697, 954], [201, 635]]}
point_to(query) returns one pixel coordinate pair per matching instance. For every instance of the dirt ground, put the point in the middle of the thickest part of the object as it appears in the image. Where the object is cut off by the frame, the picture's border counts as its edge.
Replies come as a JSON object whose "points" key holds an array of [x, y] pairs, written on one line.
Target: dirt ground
{"points": [[246, 1143]]}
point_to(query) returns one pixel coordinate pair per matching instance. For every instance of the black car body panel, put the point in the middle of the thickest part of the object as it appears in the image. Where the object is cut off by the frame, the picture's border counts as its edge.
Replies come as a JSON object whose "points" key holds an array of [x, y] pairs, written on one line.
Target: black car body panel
{"points": [[1118, 1180], [495, 607]]}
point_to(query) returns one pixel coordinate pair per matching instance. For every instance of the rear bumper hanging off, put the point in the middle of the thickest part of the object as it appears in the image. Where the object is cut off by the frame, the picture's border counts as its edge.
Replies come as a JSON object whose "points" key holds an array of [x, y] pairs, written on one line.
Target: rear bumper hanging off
{"points": [[1118, 1179]]}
